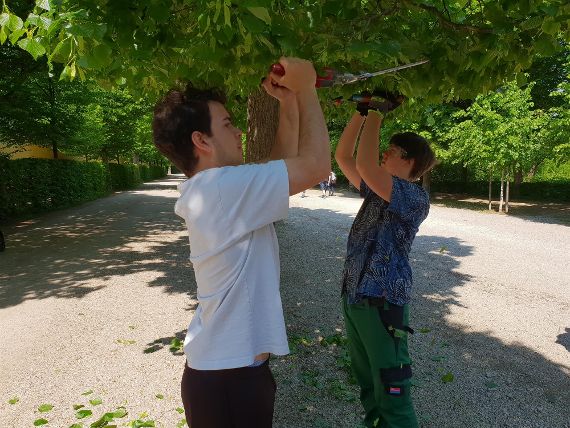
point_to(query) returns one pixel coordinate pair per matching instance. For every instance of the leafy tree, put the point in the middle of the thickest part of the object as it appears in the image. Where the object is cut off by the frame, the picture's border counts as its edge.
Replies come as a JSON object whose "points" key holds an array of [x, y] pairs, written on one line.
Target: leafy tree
{"points": [[501, 132], [35, 107], [473, 46]]}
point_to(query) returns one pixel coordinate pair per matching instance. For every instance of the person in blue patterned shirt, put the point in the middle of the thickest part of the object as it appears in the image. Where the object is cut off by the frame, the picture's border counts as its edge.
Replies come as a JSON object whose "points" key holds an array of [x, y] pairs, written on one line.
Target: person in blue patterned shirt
{"points": [[377, 278]]}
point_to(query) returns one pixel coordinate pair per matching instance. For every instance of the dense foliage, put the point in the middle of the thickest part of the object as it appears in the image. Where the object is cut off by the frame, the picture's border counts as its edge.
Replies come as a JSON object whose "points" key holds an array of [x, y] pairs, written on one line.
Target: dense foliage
{"points": [[78, 118], [472, 45]]}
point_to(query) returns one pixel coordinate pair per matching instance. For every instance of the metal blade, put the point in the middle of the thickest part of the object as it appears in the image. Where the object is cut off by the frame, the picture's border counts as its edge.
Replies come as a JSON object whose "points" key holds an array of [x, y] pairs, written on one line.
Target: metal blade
{"points": [[390, 70]]}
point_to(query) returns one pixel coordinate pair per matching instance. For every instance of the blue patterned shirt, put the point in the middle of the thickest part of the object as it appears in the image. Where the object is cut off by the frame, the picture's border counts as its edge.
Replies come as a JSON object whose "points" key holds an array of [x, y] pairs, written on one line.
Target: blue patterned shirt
{"points": [[379, 243]]}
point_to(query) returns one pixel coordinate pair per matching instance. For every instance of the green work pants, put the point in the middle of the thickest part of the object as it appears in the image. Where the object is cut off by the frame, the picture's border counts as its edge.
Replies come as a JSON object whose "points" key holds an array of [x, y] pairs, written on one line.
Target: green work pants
{"points": [[378, 363]]}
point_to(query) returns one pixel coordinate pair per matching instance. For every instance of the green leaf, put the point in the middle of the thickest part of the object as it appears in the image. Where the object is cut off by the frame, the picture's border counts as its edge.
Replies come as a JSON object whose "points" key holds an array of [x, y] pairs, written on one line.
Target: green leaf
{"points": [[159, 396], [32, 19], [14, 23], [252, 25], [400, 333], [3, 36], [15, 35], [545, 45], [45, 408], [261, 13], [227, 19], [424, 330], [491, 385], [95, 401], [549, 26], [103, 421], [76, 426], [78, 406], [84, 413], [39, 422], [44, 4], [33, 47], [87, 392], [532, 22], [142, 424], [176, 344], [44, 22], [180, 410], [121, 412], [61, 51], [13, 400], [448, 377], [218, 9], [4, 18]]}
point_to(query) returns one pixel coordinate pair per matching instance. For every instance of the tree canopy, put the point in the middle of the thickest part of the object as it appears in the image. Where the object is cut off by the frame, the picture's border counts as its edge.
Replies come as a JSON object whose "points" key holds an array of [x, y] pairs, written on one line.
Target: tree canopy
{"points": [[150, 44]]}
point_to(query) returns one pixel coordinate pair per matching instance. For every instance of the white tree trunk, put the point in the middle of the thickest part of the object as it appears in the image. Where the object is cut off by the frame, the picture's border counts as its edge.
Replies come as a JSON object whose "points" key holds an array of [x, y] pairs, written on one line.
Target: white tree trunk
{"points": [[502, 189], [507, 195], [490, 182]]}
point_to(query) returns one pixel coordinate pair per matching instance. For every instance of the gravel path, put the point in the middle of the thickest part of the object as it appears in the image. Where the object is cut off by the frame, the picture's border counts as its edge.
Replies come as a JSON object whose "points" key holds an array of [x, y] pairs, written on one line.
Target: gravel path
{"points": [[92, 297]]}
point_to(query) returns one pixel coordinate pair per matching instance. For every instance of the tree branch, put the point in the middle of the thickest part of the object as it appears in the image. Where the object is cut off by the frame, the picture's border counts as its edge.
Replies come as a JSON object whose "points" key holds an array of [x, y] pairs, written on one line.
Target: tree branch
{"points": [[444, 21], [446, 10]]}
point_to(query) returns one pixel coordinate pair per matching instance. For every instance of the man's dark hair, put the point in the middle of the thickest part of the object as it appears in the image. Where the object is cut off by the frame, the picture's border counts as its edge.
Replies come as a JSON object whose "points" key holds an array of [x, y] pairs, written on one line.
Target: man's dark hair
{"points": [[418, 149], [176, 117]]}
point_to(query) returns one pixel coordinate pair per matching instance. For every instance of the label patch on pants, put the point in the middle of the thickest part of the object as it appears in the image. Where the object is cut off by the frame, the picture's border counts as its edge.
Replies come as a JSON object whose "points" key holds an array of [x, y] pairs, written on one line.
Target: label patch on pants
{"points": [[394, 390]]}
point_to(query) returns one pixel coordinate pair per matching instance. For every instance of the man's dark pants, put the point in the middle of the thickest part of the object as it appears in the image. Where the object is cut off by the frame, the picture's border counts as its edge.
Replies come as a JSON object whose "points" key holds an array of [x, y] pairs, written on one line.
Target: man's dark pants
{"points": [[234, 398], [380, 361]]}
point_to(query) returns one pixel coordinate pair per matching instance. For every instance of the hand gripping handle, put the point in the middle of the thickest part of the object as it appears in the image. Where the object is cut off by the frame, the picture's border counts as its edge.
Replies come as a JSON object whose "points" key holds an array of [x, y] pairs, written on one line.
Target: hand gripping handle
{"points": [[322, 81]]}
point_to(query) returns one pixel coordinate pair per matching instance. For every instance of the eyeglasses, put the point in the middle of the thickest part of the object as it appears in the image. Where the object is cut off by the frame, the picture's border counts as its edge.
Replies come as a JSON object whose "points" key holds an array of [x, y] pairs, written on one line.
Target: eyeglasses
{"points": [[392, 149]]}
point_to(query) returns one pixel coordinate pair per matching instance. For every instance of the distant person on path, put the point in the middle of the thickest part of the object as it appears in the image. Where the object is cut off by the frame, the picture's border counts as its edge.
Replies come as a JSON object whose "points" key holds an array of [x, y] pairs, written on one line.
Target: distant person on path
{"points": [[2, 242], [229, 209], [324, 187], [331, 183], [377, 279]]}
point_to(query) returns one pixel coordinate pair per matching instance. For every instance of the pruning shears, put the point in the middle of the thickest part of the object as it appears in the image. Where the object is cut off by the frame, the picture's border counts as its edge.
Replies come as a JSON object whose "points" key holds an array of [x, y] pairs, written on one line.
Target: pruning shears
{"points": [[335, 78]]}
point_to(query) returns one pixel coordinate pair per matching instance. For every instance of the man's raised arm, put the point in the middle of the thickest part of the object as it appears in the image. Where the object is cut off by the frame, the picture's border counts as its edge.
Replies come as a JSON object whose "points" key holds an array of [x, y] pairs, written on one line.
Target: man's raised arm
{"points": [[313, 162]]}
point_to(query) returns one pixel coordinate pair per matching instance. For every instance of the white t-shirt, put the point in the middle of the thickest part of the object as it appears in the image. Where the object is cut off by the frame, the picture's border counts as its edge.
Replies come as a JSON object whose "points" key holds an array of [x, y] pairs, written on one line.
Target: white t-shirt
{"points": [[229, 213]]}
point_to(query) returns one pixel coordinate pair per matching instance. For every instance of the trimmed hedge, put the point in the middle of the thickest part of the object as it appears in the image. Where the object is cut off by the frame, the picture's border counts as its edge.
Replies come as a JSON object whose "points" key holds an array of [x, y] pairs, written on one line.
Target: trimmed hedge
{"points": [[553, 191], [37, 185]]}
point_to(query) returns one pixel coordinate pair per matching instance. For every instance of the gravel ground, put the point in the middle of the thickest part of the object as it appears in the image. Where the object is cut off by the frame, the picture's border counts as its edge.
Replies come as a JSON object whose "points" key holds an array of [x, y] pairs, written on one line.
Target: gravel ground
{"points": [[92, 297]]}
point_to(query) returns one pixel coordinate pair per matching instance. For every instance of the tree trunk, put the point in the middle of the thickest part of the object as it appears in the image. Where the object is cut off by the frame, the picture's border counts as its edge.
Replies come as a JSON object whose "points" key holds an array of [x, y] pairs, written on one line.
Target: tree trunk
{"points": [[51, 90], [464, 175], [490, 186], [507, 195], [517, 182], [532, 171], [426, 181], [502, 188], [262, 121]]}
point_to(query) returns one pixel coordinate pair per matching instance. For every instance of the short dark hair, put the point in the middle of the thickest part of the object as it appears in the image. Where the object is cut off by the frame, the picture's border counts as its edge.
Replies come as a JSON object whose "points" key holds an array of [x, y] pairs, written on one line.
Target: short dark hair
{"points": [[176, 117], [418, 149]]}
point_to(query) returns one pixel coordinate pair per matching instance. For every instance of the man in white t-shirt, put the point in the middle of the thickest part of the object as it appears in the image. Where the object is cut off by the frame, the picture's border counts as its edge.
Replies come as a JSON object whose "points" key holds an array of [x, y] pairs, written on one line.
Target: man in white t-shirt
{"points": [[229, 209]]}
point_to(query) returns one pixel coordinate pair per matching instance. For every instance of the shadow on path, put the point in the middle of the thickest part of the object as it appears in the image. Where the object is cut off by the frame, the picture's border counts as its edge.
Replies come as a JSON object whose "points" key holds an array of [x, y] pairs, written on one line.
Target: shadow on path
{"points": [[495, 383], [534, 211], [74, 252]]}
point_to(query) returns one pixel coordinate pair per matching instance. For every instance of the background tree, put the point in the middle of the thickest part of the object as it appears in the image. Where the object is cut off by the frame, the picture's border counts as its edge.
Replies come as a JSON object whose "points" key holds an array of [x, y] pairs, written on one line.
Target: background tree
{"points": [[500, 132]]}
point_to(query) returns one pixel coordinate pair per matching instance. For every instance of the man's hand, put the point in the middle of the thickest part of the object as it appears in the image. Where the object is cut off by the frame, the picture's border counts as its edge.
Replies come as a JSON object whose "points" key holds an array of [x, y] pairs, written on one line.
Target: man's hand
{"points": [[300, 75], [280, 93]]}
